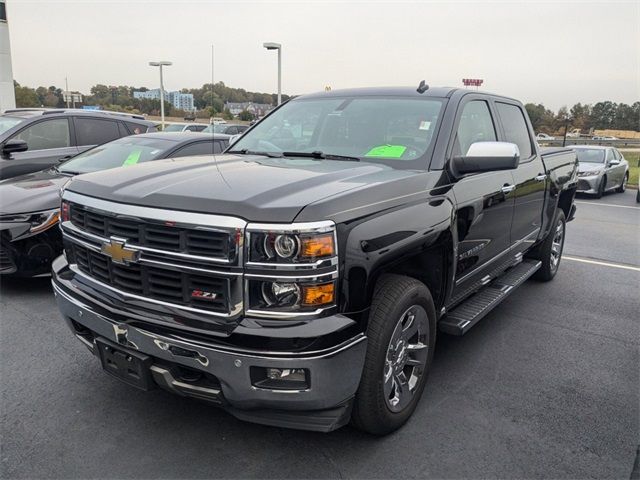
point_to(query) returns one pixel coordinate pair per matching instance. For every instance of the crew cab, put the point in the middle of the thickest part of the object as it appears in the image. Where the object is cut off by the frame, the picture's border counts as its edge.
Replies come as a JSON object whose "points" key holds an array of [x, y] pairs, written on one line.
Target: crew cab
{"points": [[301, 278]]}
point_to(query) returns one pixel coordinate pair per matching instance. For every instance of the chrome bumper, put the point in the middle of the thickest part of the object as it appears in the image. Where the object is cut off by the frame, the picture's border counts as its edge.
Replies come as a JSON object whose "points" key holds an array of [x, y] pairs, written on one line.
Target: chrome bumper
{"points": [[334, 372]]}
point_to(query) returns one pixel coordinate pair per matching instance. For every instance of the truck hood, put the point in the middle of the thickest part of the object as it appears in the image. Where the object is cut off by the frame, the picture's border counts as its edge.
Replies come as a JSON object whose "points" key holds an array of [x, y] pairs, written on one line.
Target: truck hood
{"points": [[33, 192], [255, 188]]}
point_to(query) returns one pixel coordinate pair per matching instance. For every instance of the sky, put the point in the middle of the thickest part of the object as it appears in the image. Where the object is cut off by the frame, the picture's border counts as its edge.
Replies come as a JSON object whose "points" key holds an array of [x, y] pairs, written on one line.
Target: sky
{"points": [[555, 53]]}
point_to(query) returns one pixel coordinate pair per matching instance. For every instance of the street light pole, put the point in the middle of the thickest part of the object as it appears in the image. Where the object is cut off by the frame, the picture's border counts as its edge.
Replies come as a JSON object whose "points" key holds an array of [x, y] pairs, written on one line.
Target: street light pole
{"points": [[161, 64], [277, 46]]}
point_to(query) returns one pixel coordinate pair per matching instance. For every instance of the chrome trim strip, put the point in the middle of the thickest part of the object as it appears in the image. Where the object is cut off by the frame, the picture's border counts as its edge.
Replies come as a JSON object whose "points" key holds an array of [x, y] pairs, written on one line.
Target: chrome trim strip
{"points": [[79, 272], [499, 255], [69, 226], [124, 209], [306, 227], [288, 315], [323, 262], [293, 278]]}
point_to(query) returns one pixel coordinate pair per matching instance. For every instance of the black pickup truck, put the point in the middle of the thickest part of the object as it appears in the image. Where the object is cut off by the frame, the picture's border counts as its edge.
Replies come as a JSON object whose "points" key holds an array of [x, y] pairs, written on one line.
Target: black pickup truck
{"points": [[300, 279]]}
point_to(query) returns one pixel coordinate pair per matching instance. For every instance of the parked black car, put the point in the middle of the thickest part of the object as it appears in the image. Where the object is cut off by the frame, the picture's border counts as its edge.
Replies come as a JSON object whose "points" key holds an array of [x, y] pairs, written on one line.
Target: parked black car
{"points": [[301, 279], [226, 128], [30, 204], [32, 139]]}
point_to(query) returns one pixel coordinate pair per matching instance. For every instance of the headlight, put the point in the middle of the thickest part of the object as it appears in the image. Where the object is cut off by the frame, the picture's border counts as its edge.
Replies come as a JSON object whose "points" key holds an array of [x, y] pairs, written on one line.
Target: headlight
{"points": [[291, 270], [590, 173], [304, 244], [39, 221]]}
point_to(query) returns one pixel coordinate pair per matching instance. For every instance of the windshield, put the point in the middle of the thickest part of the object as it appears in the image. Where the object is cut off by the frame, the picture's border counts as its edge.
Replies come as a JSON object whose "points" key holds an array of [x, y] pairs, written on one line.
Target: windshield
{"points": [[173, 127], [123, 152], [586, 155], [396, 131], [217, 128], [8, 122]]}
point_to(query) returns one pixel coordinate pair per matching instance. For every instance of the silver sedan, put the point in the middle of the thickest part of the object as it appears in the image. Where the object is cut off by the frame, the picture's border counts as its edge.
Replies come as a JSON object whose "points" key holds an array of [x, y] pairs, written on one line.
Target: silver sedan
{"points": [[601, 169]]}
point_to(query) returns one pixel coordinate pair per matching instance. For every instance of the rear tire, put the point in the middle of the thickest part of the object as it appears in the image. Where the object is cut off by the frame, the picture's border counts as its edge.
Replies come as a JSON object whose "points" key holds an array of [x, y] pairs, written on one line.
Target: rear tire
{"points": [[550, 251], [401, 339], [623, 185], [601, 187]]}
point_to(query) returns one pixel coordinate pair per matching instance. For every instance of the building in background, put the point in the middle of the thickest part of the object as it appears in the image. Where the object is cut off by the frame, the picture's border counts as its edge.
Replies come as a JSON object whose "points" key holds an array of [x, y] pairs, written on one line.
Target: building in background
{"points": [[7, 91], [182, 101], [257, 109]]}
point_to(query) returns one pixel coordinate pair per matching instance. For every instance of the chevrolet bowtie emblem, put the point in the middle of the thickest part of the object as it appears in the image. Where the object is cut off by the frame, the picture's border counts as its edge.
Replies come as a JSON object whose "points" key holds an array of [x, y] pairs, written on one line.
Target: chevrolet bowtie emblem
{"points": [[115, 248]]}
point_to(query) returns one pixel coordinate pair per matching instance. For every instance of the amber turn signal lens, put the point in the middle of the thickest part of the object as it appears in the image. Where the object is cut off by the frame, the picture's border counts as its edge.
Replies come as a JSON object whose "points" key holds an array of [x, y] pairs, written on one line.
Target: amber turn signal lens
{"points": [[317, 246], [314, 295]]}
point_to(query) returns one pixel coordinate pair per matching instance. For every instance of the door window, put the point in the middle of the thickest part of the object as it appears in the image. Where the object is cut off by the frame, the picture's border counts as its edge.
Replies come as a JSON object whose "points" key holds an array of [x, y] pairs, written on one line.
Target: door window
{"points": [[93, 131], [52, 133], [475, 125], [515, 128], [200, 148]]}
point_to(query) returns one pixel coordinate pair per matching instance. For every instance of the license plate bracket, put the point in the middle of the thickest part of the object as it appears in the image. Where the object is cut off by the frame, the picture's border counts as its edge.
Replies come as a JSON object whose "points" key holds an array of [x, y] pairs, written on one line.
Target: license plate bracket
{"points": [[126, 365]]}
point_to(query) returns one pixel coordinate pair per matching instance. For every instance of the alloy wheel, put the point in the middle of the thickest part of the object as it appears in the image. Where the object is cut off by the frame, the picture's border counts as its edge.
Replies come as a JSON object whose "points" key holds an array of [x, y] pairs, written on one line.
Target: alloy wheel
{"points": [[556, 245], [406, 358]]}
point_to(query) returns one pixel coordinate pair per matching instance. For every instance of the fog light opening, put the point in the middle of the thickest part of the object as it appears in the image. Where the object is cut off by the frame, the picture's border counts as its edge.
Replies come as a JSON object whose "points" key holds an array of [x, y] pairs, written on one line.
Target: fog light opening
{"points": [[280, 378]]}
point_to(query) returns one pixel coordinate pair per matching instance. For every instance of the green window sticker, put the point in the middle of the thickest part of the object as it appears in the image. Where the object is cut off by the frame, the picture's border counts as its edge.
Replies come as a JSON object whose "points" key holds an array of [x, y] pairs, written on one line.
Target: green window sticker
{"points": [[133, 158], [388, 151]]}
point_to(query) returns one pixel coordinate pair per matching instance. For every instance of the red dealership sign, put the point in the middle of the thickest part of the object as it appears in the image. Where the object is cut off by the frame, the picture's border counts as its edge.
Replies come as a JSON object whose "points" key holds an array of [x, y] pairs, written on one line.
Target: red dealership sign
{"points": [[469, 82]]}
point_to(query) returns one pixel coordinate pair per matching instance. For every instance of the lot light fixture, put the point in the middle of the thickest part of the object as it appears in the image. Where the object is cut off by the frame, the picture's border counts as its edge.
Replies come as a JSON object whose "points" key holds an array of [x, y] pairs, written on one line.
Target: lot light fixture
{"points": [[277, 46], [162, 63]]}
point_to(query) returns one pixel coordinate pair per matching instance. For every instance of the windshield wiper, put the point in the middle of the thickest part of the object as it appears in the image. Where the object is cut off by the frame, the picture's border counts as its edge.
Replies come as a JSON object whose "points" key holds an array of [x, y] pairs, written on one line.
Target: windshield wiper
{"points": [[321, 156], [246, 151]]}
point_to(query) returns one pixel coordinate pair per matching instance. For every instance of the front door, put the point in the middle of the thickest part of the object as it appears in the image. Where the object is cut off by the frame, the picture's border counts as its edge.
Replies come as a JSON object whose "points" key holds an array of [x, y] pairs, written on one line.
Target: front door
{"points": [[485, 201], [49, 141]]}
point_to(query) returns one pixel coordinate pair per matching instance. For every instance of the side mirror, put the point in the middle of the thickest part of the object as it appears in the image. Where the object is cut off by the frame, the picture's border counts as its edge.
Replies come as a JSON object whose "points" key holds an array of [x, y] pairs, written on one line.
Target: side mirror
{"points": [[614, 161], [13, 146], [487, 157]]}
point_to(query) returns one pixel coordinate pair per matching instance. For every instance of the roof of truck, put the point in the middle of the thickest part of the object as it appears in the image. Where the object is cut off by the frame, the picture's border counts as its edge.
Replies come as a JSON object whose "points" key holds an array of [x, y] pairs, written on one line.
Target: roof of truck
{"points": [[383, 91]]}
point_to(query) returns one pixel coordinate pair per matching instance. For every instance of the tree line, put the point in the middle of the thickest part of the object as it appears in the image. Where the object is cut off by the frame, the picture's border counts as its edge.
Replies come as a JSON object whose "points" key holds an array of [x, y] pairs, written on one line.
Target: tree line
{"points": [[209, 100], [586, 117]]}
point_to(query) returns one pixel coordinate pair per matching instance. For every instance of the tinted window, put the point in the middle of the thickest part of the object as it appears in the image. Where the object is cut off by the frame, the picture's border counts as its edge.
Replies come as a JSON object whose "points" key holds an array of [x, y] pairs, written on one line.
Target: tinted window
{"points": [[136, 128], [200, 148], [8, 122], [515, 128], [242, 128], [92, 131], [396, 131], [124, 152], [476, 125], [47, 134], [231, 131]]}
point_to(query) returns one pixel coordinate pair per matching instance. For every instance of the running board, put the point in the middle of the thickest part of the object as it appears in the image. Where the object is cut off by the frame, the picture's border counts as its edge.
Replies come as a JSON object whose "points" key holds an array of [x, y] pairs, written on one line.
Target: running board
{"points": [[464, 316]]}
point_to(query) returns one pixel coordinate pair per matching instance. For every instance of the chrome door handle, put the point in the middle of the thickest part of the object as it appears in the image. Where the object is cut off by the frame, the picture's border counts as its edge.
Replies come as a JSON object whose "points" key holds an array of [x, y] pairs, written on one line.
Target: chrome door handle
{"points": [[508, 188], [541, 178]]}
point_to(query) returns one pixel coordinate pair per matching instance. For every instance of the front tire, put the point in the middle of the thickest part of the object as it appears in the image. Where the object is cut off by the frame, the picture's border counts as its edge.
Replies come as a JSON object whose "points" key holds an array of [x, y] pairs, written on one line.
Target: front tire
{"points": [[401, 339], [623, 185], [550, 251]]}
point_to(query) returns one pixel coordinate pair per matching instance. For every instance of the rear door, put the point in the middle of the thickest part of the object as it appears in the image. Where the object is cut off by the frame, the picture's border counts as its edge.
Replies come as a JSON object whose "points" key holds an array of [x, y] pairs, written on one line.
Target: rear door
{"points": [[615, 168], [484, 200], [530, 177], [92, 131], [49, 141]]}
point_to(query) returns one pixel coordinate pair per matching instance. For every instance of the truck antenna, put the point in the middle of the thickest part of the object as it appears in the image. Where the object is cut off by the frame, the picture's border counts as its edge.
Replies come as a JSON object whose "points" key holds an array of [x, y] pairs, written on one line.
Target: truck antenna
{"points": [[423, 87]]}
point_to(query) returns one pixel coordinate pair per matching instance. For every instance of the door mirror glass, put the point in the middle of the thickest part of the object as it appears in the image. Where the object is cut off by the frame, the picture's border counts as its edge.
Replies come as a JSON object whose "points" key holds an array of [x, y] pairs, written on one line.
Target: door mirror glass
{"points": [[487, 157], [13, 146]]}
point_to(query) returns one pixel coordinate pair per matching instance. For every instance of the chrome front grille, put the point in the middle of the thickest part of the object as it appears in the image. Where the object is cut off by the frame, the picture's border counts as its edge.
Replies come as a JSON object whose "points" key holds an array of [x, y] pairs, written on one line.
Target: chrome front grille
{"points": [[190, 241], [155, 282], [182, 260]]}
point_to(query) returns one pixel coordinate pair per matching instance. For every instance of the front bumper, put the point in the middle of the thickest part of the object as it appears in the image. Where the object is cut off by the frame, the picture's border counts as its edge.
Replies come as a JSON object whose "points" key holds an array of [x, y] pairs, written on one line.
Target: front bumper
{"points": [[27, 254], [589, 184], [334, 372]]}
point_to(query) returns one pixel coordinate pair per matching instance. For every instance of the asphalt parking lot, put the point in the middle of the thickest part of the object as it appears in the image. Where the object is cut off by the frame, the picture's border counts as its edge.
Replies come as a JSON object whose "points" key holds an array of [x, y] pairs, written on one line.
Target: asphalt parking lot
{"points": [[546, 386]]}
